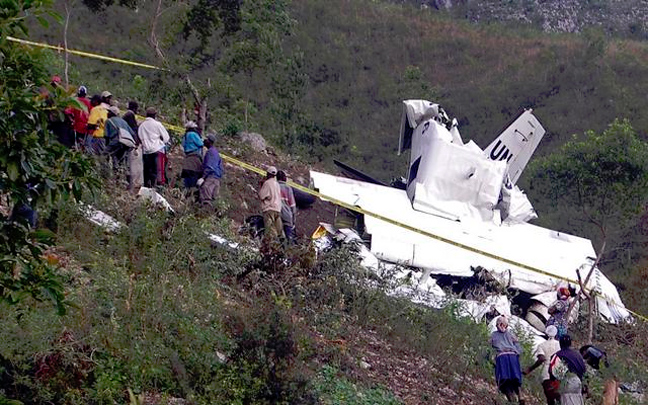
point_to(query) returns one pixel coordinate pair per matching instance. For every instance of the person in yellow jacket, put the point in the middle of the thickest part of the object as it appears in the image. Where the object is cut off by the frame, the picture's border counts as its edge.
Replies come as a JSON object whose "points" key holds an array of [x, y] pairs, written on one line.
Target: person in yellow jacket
{"points": [[95, 142]]}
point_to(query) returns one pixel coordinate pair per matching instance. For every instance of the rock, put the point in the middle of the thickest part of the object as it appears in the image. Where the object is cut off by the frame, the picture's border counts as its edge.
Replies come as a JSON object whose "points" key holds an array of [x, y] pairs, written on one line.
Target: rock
{"points": [[256, 141]]}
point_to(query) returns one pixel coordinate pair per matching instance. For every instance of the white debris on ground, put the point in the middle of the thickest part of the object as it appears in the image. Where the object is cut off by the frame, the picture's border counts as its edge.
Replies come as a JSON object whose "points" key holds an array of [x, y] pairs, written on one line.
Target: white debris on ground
{"points": [[100, 218], [148, 194]]}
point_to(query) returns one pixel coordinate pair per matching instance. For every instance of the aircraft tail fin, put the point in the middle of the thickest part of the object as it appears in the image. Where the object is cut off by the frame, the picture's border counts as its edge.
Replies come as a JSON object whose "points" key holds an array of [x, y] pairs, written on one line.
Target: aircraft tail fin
{"points": [[517, 143]]}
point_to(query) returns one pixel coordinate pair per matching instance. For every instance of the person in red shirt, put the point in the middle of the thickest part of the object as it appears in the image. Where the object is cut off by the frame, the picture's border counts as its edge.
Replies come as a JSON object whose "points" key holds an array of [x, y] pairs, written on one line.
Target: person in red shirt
{"points": [[79, 116]]}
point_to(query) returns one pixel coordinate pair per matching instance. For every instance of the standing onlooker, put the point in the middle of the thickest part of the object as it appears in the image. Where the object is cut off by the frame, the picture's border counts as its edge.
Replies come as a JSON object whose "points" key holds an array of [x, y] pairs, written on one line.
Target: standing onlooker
{"points": [[270, 196], [212, 172], [117, 151], [288, 207], [558, 311], [95, 143], [135, 163], [130, 116], [106, 99], [568, 366], [80, 116], [507, 361], [544, 352], [154, 137], [192, 166]]}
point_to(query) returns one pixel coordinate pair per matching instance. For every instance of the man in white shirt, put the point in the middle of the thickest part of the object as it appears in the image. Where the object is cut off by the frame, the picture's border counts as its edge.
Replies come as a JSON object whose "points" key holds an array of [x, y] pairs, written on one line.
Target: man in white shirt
{"points": [[154, 138], [543, 354]]}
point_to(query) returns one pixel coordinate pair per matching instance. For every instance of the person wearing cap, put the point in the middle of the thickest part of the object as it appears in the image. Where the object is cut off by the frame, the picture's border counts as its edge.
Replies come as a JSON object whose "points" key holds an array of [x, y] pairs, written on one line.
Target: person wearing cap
{"points": [[543, 354], [106, 99], [212, 172], [79, 115], [288, 207], [95, 143], [192, 166], [119, 138], [270, 196], [154, 138]]}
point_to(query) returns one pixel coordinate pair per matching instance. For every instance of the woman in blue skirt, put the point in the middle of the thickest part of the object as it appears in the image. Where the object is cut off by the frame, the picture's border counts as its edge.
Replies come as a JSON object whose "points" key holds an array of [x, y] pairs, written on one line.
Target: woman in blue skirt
{"points": [[507, 361]]}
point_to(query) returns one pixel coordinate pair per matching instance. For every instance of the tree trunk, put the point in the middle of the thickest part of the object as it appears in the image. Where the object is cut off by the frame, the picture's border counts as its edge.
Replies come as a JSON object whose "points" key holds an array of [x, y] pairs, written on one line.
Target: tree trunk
{"points": [[200, 108], [593, 312], [68, 11], [153, 41], [590, 297]]}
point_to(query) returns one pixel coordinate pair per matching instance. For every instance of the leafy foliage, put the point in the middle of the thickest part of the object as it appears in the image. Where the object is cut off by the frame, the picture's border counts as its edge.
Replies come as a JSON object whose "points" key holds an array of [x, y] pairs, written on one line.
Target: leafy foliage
{"points": [[602, 177], [34, 167]]}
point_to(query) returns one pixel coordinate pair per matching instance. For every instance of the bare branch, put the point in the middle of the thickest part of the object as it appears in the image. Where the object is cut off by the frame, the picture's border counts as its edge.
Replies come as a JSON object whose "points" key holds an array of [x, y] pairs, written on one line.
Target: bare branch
{"points": [[583, 284], [152, 40], [69, 4]]}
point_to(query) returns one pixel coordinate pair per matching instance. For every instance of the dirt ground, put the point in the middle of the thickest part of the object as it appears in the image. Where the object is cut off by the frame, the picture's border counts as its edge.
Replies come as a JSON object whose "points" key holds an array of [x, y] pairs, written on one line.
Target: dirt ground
{"points": [[242, 185]]}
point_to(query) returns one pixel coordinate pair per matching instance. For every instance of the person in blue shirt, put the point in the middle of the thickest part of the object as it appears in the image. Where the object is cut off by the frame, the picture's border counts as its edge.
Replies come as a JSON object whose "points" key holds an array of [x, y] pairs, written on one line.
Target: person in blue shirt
{"points": [[212, 173], [192, 166]]}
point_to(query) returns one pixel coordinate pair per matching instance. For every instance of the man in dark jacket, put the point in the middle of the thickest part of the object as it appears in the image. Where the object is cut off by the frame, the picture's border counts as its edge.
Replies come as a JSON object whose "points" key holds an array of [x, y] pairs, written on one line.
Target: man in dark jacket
{"points": [[119, 138], [571, 380], [212, 172]]}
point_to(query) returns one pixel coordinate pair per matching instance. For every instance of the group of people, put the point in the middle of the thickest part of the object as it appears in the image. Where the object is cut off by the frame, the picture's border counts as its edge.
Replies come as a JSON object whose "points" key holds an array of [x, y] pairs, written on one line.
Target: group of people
{"points": [[278, 206], [97, 127], [563, 368], [202, 171]]}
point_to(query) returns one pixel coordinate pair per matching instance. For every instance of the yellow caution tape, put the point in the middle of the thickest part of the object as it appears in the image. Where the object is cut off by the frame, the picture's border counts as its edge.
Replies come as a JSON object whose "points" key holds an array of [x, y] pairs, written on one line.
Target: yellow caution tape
{"points": [[86, 54], [317, 194]]}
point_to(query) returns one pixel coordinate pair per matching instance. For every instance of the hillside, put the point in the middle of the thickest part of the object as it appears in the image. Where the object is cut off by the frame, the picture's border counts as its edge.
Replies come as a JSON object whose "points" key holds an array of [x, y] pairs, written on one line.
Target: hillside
{"points": [[155, 311], [623, 18]]}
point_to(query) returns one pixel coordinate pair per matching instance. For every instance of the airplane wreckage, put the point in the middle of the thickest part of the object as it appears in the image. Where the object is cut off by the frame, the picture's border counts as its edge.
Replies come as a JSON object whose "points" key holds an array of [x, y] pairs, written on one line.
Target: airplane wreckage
{"points": [[458, 220], [467, 197]]}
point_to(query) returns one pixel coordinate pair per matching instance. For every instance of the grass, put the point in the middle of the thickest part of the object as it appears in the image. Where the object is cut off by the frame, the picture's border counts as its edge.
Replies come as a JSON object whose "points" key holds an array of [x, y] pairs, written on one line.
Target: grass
{"points": [[155, 311]]}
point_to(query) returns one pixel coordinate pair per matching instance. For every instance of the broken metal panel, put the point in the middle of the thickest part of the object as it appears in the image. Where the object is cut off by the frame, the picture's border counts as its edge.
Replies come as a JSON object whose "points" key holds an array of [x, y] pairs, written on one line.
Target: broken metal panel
{"points": [[451, 180]]}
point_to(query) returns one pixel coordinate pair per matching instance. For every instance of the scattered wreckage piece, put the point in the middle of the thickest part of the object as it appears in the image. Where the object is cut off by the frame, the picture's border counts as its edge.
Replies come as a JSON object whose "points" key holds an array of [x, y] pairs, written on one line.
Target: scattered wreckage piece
{"points": [[149, 194], [424, 289], [109, 223], [100, 218]]}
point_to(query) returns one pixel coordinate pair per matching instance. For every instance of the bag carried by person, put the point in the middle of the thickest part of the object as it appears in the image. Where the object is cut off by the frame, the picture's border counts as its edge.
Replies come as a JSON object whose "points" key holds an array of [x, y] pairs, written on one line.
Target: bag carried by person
{"points": [[125, 138]]}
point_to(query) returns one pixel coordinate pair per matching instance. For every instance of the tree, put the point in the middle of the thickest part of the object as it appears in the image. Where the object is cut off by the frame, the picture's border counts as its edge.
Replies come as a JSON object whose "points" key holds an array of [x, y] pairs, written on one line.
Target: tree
{"points": [[221, 42], [35, 170], [598, 180]]}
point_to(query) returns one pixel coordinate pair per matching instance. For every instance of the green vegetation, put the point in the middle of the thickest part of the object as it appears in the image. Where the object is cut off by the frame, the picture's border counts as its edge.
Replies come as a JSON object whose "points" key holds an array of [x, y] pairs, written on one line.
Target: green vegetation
{"points": [[154, 309], [600, 179], [35, 170], [154, 313]]}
